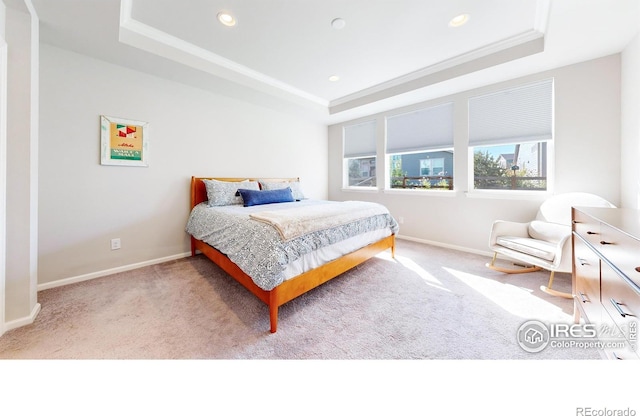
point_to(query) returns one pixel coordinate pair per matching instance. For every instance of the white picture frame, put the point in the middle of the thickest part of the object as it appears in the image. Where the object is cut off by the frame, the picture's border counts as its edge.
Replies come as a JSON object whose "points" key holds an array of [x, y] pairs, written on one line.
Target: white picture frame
{"points": [[124, 142]]}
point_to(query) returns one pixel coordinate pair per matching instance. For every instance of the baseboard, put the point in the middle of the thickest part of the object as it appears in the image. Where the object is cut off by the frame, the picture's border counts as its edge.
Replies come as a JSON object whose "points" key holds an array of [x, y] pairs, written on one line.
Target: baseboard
{"points": [[23, 321], [107, 272], [450, 246], [102, 273]]}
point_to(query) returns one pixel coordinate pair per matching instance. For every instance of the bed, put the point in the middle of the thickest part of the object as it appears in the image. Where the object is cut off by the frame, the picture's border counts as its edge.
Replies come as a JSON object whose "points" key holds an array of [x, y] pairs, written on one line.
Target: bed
{"points": [[281, 250]]}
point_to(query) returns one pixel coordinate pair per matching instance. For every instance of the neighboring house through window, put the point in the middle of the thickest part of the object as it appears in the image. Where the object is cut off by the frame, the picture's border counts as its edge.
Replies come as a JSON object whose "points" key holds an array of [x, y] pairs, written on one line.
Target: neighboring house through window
{"points": [[420, 148]]}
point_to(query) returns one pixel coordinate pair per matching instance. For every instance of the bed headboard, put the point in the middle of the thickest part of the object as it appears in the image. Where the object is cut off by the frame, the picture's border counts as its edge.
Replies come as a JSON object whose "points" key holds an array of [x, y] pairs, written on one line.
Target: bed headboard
{"points": [[199, 191]]}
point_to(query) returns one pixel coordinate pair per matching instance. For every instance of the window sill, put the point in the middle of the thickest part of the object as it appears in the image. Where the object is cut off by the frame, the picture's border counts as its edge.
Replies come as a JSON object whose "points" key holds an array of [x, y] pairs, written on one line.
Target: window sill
{"points": [[363, 189], [495, 194], [422, 192]]}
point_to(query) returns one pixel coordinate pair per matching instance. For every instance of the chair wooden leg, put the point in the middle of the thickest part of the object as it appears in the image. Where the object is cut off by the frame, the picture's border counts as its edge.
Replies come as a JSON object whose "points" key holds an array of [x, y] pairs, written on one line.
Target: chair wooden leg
{"points": [[492, 266], [547, 289]]}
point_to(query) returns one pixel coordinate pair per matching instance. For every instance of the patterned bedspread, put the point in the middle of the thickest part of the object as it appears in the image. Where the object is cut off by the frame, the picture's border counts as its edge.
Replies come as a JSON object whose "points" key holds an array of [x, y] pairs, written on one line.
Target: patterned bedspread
{"points": [[258, 248]]}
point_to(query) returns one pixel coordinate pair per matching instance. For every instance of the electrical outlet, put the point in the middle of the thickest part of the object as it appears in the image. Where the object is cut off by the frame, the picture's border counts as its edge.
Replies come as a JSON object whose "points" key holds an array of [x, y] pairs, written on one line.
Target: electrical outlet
{"points": [[115, 244], [400, 220]]}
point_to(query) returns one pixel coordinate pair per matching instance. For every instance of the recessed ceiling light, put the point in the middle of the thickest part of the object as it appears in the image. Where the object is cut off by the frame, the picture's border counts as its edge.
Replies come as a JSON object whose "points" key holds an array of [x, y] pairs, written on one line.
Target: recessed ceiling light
{"points": [[338, 23], [334, 78], [226, 19], [459, 20]]}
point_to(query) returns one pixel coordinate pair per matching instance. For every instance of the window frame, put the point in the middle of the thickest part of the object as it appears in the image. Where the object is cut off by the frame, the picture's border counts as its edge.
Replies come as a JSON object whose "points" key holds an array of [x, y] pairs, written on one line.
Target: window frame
{"points": [[366, 155], [430, 160], [432, 144], [550, 154]]}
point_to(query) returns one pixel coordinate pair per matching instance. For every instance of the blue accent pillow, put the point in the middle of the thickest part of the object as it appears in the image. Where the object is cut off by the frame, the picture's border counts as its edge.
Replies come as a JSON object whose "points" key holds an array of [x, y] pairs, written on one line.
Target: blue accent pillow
{"points": [[251, 197]]}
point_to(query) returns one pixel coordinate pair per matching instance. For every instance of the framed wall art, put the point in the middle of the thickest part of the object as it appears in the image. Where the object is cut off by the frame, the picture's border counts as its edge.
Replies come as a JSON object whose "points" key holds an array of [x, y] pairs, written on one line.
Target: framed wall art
{"points": [[124, 142]]}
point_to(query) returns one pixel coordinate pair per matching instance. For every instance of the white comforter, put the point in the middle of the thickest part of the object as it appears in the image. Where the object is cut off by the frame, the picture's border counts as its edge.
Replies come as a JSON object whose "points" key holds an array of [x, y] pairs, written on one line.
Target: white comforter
{"points": [[297, 220]]}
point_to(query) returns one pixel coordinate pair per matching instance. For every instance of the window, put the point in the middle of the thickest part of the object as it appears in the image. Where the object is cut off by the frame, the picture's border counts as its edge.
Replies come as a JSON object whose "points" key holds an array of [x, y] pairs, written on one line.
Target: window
{"points": [[433, 166], [510, 132], [360, 154], [420, 149]]}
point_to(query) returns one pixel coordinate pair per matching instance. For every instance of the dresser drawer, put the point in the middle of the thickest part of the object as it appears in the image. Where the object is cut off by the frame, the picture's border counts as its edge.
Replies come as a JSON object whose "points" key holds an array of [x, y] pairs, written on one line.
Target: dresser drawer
{"points": [[586, 283], [586, 227], [620, 301], [622, 251], [615, 344], [606, 277]]}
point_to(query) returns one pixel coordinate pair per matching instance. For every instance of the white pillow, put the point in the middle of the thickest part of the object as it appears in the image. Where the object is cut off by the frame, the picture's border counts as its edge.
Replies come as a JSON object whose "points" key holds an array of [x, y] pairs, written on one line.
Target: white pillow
{"points": [[296, 189], [221, 193]]}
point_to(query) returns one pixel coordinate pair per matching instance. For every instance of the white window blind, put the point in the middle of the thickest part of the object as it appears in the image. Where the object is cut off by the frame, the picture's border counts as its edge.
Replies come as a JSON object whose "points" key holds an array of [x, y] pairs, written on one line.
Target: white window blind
{"points": [[427, 129], [360, 140], [517, 115]]}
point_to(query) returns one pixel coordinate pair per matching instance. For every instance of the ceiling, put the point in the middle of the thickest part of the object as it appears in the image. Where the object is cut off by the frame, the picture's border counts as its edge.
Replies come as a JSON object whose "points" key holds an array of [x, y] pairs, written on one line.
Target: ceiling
{"points": [[389, 53]]}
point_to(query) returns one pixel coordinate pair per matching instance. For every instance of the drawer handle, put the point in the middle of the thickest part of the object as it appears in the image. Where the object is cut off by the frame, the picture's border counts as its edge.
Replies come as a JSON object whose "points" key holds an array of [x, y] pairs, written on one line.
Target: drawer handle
{"points": [[605, 242], [638, 269], [583, 298], [616, 356], [583, 262], [619, 309], [591, 232]]}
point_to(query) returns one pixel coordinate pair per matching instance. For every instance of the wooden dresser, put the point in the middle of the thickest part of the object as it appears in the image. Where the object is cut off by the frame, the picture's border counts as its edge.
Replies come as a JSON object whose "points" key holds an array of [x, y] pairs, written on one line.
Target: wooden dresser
{"points": [[606, 275]]}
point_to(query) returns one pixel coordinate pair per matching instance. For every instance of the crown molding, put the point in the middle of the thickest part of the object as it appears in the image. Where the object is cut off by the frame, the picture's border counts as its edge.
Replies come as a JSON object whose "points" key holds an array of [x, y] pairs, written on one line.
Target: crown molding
{"points": [[516, 47], [142, 36]]}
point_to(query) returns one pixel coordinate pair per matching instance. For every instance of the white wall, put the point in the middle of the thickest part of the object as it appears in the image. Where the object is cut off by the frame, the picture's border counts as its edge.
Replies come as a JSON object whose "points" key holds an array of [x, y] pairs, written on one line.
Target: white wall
{"points": [[630, 147], [21, 305], [192, 132], [587, 158], [3, 161]]}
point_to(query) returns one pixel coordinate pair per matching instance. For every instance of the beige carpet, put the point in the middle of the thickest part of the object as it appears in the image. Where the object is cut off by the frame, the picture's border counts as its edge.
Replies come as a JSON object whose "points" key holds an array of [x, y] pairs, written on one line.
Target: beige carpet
{"points": [[428, 303]]}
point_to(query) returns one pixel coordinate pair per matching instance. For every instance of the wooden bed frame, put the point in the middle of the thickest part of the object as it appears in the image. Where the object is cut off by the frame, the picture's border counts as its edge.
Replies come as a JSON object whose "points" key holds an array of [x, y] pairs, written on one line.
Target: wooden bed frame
{"points": [[296, 286]]}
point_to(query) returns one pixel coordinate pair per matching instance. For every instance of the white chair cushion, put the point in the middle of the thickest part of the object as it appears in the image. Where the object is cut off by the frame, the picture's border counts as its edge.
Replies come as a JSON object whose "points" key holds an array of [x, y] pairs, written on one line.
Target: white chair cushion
{"points": [[536, 248], [548, 231]]}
